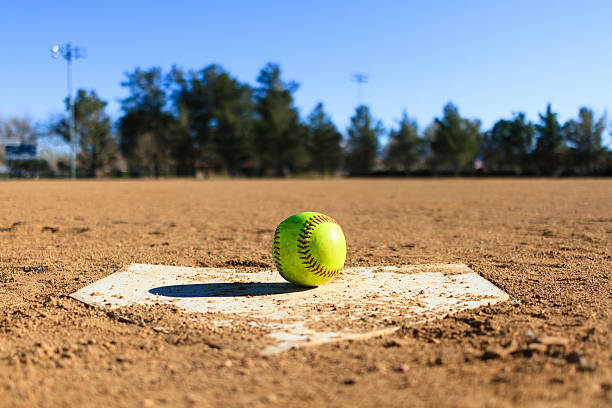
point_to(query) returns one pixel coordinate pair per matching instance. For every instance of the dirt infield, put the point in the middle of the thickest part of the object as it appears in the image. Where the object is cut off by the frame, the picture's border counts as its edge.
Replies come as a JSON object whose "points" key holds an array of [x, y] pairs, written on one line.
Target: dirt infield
{"points": [[548, 243]]}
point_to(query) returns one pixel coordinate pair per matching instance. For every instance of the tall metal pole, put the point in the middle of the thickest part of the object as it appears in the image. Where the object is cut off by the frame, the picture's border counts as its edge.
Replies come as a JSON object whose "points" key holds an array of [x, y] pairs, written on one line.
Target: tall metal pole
{"points": [[71, 110], [68, 52]]}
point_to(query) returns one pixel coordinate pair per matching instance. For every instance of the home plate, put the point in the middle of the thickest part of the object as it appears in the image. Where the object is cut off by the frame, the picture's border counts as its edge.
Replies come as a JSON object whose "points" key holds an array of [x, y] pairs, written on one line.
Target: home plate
{"points": [[360, 303]]}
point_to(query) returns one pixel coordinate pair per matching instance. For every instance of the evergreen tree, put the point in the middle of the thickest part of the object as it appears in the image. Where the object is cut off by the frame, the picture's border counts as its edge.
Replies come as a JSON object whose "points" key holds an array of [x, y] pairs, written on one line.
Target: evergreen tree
{"points": [[507, 145], [145, 137], [97, 153], [429, 135], [279, 136], [324, 141], [456, 141], [218, 112], [232, 109], [585, 136], [550, 145], [363, 142], [405, 146]]}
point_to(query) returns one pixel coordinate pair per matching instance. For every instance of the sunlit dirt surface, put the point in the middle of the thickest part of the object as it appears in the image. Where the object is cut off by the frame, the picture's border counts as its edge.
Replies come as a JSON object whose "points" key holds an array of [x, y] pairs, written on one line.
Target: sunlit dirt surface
{"points": [[548, 243]]}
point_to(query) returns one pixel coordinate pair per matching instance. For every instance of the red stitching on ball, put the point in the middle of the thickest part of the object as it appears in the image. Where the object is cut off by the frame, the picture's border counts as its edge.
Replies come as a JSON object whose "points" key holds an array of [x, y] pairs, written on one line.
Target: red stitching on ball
{"points": [[304, 235], [276, 256]]}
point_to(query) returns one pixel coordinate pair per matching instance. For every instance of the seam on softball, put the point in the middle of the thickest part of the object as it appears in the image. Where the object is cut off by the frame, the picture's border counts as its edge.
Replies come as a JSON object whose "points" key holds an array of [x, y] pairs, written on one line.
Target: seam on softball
{"points": [[308, 260], [276, 256]]}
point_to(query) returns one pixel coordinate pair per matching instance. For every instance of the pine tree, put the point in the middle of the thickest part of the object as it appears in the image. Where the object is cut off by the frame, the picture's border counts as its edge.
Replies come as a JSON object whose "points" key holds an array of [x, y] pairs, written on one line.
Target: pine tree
{"points": [[280, 139], [218, 112], [549, 144], [97, 152], [145, 136], [363, 142], [456, 141], [405, 145], [507, 145], [585, 135], [324, 142]]}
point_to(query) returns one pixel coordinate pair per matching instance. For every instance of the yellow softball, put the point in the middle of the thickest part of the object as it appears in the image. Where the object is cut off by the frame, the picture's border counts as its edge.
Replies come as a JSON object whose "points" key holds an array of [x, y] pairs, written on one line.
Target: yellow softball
{"points": [[309, 249]]}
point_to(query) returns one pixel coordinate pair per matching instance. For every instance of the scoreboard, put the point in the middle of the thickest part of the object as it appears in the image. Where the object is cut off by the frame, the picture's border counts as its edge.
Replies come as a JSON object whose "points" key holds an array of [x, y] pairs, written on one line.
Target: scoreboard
{"points": [[20, 152]]}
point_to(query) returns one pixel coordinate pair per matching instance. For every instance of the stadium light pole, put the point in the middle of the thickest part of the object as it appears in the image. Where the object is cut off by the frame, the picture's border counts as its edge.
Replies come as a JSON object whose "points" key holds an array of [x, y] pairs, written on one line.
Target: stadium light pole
{"points": [[68, 52], [361, 79]]}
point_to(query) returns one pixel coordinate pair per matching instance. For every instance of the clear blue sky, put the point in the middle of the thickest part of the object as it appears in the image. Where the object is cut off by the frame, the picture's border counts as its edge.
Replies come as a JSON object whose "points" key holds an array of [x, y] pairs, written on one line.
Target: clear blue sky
{"points": [[491, 58]]}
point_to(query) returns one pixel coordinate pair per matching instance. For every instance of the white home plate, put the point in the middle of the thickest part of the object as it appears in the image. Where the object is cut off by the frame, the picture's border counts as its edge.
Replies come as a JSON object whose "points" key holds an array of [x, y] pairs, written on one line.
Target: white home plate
{"points": [[359, 303]]}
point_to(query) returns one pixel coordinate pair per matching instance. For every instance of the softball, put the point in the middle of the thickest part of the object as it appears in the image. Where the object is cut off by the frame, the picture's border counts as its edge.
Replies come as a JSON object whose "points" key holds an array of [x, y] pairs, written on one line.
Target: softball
{"points": [[309, 249]]}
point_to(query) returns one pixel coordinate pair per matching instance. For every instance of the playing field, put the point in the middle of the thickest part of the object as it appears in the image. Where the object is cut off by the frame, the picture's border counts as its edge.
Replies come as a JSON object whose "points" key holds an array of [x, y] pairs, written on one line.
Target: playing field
{"points": [[547, 243]]}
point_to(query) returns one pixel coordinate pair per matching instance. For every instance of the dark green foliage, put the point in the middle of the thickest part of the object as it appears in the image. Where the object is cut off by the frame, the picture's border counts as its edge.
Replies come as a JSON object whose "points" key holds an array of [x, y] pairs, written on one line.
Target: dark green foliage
{"points": [[188, 123], [181, 143], [145, 127], [363, 142], [587, 153], [280, 138], [97, 150], [507, 145], [550, 146], [456, 140], [323, 142], [217, 112], [405, 145]]}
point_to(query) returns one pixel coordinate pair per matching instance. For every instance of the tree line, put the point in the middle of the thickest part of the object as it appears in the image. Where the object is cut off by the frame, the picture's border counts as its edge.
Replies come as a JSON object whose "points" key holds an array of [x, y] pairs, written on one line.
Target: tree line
{"points": [[206, 121]]}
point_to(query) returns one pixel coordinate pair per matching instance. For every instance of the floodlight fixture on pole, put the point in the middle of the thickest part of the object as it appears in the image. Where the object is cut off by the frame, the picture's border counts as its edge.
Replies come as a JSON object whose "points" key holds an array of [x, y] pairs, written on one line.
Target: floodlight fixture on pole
{"points": [[69, 52], [361, 79]]}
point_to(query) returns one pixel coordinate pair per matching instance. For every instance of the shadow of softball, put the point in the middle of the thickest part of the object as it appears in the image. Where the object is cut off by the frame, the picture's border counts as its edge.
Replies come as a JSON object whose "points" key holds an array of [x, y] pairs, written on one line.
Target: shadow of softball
{"points": [[234, 289]]}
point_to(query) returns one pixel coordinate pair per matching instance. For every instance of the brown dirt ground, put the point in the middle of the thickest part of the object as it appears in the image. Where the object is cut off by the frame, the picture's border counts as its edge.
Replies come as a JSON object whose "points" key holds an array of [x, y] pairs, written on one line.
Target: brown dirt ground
{"points": [[548, 243]]}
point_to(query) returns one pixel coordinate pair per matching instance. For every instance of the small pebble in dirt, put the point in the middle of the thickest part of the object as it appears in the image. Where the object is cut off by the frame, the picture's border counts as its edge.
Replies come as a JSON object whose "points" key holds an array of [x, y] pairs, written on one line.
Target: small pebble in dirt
{"points": [[392, 343], [530, 335], [580, 360], [436, 362], [271, 398]]}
